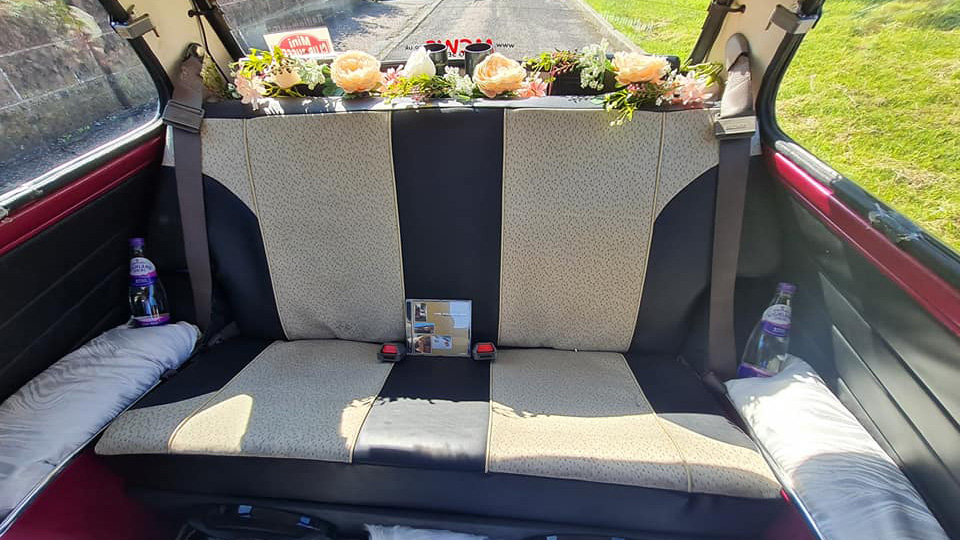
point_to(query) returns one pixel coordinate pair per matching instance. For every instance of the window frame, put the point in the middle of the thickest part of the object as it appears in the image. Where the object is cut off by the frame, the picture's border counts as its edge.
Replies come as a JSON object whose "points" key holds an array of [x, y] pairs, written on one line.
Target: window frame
{"points": [[71, 171], [898, 228]]}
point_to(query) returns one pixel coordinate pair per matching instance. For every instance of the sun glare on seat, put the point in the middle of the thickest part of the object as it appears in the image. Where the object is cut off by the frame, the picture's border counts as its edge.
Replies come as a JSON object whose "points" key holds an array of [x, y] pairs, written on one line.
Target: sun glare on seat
{"points": [[218, 428]]}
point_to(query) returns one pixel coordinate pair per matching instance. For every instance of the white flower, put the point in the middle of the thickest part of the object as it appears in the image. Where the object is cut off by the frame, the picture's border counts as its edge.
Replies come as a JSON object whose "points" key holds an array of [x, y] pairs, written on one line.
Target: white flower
{"points": [[419, 63], [285, 77], [461, 86], [311, 73]]}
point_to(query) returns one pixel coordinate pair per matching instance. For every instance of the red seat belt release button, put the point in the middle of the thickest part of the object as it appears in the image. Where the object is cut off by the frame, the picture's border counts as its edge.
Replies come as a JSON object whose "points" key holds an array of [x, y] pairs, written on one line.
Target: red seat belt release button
{"points": [[484, 350], [392, 352]]}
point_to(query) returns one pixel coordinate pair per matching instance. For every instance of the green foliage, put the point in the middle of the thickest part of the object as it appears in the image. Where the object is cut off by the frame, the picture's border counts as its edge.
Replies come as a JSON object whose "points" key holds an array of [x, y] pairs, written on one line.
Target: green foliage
{"points": [[594, 65], [628, 99], [424, 87], [213, 81], [553, 63], [591, 61], [262, 65], [50, 11], [874, 91]]}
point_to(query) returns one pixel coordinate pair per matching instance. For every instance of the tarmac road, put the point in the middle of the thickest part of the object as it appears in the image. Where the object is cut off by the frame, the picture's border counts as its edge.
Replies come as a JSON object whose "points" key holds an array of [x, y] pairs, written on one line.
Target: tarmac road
{"points": [[391, 29]]}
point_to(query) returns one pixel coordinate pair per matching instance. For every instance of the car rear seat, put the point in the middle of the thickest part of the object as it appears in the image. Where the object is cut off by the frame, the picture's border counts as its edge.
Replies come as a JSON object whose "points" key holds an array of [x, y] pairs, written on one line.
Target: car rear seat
{"points": [[556, 226]]}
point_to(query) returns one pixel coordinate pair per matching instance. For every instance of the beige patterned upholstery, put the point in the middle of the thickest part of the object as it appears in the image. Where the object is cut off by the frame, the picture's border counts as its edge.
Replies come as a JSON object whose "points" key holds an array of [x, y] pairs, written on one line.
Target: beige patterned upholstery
{"points": [[224, 150], [579, 202], [577, 214], [329, 224], [582, 416], [328, 218], [689, 150], [302, 399]]}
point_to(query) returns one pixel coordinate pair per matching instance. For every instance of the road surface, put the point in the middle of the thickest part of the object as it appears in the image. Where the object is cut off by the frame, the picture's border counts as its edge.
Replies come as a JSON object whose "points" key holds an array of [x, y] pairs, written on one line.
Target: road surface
{"points": [[390, 29]]}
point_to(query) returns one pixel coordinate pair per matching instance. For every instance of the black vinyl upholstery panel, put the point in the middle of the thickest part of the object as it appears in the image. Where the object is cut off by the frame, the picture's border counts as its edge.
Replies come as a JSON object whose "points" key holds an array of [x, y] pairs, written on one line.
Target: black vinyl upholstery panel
{"points": [[449, 180], [678, 271], [432, 413], [473, 493], [68, 283], [243, 291]]}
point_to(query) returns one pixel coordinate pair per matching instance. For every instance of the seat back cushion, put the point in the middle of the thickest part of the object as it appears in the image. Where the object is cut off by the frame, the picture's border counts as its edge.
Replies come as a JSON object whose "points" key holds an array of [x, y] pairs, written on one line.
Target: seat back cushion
{"points": [[547, 224], [327, 215], [580, 199]]}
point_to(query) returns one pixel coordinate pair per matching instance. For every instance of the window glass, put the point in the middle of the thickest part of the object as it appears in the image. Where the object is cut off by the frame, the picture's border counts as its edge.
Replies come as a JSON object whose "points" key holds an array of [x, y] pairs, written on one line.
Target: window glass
{"points": [[390, 30], [68, 84], [874, 91]]}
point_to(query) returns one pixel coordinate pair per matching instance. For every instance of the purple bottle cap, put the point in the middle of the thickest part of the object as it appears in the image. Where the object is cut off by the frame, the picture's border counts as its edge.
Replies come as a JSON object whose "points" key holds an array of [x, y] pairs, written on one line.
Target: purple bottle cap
{"points": [[788, 288], [136, 242]]}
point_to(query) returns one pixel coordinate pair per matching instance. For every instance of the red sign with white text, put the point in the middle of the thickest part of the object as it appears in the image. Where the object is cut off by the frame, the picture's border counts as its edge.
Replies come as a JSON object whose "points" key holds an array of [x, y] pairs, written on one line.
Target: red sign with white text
{"points": [[307, 42]]}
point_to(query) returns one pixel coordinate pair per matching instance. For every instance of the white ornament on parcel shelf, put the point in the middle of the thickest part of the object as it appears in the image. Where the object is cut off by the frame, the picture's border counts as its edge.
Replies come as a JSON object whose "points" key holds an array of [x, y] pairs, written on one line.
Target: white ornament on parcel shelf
{"points": [[418, 64]]}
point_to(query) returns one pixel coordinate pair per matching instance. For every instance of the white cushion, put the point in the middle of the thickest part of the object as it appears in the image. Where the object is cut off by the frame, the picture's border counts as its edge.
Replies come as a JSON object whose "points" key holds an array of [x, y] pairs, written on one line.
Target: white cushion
{"points": [[848, 485], [45, 422]]}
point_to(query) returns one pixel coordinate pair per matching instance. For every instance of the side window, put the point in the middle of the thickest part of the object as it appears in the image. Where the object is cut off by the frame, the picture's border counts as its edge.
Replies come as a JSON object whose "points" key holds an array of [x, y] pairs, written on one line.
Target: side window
{"points": [[68, 84], [874, 91]]}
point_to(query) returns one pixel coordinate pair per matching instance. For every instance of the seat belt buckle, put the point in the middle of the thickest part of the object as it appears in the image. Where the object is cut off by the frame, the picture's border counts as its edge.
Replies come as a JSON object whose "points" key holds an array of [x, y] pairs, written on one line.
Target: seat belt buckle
{"points": [[484, 350], [740, 127], [392, 352], [183, 116]]}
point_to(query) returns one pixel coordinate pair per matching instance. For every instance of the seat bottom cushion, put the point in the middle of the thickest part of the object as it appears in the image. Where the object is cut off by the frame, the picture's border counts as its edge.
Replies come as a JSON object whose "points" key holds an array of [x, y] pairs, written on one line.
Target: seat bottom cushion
{"points": [[542, 435]]}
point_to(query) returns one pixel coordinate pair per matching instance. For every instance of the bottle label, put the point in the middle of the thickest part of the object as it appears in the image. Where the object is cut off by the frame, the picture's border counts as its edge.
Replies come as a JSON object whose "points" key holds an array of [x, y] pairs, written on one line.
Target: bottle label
{"points": [[749, 370], [776, 320], [142, 272], [152, 320]]}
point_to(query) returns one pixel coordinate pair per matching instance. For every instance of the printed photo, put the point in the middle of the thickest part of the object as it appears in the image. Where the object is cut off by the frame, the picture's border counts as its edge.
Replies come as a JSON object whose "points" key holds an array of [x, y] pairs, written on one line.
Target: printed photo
{"points": [[422, 344], [423, 328], [442, 342], [420, 311]]}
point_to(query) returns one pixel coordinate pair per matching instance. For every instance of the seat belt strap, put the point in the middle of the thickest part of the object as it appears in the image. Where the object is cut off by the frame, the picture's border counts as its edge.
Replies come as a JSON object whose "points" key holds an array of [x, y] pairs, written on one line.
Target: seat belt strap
{"points": [[734, 128], [184, 114]]}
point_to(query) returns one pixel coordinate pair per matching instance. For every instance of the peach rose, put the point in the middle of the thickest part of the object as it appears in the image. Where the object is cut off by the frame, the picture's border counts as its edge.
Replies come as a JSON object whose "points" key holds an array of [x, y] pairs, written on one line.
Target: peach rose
{"points": [[498, 74], [636, 67], [356, 72]]}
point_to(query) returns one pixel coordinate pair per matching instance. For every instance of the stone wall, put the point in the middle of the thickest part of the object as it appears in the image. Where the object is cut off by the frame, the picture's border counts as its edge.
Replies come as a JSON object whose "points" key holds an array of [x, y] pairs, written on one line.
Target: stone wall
{"points": [[64, 73]]}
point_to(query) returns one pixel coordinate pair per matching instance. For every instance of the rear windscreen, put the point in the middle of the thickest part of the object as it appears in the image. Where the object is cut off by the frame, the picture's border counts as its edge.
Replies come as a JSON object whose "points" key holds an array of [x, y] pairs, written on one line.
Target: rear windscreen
{"points": [[391, 29]]}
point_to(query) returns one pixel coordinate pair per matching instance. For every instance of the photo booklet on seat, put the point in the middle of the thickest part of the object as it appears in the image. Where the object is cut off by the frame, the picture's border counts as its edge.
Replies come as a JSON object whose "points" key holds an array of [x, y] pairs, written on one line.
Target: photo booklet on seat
{"points": [[439, 327]]}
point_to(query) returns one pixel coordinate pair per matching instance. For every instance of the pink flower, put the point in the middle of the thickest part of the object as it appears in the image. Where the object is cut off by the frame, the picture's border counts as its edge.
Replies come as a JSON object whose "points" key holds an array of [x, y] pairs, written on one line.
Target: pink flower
{"points": [[669, 94], [250, 90], [392, 76], [691, 90], [532, 87]]}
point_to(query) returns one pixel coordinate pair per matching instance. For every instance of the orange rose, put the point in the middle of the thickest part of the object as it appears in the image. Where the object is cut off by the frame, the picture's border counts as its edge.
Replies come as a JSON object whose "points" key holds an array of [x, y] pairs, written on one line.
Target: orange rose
{"points": [[498, 74], [356, 72], [635, 67]]}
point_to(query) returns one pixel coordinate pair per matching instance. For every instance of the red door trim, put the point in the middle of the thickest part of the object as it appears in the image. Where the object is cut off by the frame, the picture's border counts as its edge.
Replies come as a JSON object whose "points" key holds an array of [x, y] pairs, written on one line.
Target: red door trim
{"points": [[27, 222], [937, 296]]}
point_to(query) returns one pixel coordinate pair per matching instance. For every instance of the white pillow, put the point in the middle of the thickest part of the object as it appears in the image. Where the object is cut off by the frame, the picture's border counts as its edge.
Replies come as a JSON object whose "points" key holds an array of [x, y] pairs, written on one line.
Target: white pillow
{"points": [[848, 485], [62, 409]]}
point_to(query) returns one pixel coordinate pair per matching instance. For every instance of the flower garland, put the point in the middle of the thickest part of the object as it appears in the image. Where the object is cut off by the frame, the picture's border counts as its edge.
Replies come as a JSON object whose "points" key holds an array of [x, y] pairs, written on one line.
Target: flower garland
{"points": [[648, 81], [641, 80]]}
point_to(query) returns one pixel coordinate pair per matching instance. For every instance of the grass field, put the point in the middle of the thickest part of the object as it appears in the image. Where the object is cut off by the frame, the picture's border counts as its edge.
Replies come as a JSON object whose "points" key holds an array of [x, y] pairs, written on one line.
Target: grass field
{"points": [[874, 91]]}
